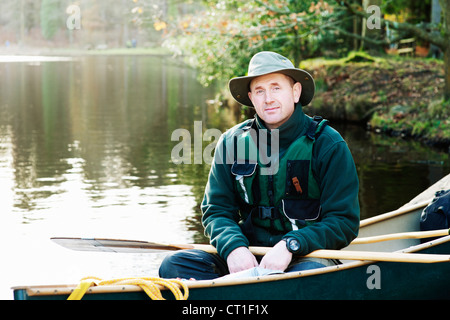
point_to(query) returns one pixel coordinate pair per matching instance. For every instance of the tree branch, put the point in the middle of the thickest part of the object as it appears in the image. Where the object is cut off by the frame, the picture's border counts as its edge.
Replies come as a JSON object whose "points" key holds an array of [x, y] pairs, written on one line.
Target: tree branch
{"points": [[419, 32], [271, 8], [357, 36]]}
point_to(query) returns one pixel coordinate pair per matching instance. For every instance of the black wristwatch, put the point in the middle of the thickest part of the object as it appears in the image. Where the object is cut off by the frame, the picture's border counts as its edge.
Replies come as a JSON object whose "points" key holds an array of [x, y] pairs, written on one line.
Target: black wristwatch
{"points": [[292, 244]]}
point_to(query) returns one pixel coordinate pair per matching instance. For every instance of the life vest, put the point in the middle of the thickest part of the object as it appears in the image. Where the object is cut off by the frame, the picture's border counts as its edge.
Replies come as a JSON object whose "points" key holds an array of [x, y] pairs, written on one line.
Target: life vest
{"points": [[273, 204]]}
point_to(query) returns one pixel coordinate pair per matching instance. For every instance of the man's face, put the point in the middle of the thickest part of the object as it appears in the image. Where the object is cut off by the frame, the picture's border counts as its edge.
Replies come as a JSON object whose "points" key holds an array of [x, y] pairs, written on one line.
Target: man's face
{"points": [[274, 96]]}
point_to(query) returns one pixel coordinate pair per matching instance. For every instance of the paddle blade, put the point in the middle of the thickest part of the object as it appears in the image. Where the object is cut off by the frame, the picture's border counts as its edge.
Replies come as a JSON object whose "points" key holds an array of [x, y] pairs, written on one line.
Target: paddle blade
{"points": [[113, 245]]}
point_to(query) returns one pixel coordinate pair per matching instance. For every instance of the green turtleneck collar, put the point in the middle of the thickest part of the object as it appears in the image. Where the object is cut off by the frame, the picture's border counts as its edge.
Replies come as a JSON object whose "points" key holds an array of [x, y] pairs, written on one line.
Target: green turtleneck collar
{"points": [[291, 129]]}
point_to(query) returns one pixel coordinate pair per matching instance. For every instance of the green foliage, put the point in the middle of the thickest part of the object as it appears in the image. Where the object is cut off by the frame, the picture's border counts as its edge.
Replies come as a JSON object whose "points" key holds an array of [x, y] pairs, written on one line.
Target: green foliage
{"points": [[435, 120], [418, 10], [51, 17], [221, 39], [439, 109], [430, 122]]}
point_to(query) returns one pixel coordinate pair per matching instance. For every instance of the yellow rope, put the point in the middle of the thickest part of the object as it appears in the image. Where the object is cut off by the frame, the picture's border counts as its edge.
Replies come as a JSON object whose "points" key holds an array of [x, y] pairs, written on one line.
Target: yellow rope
{"points": [[148, 284]]}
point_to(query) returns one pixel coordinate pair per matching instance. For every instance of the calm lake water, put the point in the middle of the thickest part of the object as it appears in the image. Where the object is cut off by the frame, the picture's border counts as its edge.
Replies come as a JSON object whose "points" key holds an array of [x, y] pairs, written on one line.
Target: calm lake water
{"points": [[85, 151]]}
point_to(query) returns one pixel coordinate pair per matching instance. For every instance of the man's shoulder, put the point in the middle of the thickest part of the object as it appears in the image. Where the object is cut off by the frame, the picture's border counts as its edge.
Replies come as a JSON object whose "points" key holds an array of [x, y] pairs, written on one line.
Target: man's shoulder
{"points": [[328, 140], [238, 128], [329, 135]]}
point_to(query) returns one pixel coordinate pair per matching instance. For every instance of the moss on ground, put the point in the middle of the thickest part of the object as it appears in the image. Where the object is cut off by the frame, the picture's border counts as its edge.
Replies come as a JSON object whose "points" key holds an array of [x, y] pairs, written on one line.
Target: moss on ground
{"points": [[395, 95]]}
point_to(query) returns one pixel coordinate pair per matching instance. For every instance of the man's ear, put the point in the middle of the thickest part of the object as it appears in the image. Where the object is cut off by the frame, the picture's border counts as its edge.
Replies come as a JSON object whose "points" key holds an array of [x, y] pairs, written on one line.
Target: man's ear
{"points": [[297, 88]]}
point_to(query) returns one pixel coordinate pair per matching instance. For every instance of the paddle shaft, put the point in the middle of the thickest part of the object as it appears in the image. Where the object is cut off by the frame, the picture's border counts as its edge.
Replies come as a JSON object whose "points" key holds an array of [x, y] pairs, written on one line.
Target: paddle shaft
{"points": [[112, 245], [344, 254], [364, 240]]}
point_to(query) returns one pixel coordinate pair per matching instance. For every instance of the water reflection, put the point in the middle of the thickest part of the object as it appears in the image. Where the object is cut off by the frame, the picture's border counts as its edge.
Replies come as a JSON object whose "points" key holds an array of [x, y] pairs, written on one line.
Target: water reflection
{"points": [[392, 171], [104, 122], [95, 128], [85, 150]]}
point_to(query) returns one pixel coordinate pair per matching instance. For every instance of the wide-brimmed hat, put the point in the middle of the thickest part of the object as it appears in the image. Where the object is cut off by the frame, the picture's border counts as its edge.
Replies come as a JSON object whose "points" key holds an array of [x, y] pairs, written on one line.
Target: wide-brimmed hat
{"points": [[266, 62]]}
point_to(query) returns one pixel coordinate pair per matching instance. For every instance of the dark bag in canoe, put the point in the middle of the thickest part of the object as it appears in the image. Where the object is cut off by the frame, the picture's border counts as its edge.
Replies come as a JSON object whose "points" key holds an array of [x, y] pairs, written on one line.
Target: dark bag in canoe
{"points": [[437, 214]]}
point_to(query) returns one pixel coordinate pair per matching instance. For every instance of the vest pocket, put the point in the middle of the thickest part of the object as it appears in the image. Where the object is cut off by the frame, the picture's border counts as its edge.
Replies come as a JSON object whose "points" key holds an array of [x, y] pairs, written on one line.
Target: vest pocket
{"points": [[297, 176], [301, 211]]}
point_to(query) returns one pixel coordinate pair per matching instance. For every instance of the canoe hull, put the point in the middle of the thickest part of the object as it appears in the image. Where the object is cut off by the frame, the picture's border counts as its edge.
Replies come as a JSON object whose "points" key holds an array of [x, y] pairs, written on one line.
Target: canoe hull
{"points": [[352, 281]]}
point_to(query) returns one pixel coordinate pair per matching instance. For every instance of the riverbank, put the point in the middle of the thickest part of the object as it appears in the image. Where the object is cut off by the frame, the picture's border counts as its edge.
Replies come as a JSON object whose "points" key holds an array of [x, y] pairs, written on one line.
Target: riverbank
{"points": [[398, 96]]}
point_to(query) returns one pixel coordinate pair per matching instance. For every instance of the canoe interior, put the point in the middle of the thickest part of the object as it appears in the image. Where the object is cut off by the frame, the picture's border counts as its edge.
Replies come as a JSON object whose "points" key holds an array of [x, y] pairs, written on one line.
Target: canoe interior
{"points": [[391, 222]]}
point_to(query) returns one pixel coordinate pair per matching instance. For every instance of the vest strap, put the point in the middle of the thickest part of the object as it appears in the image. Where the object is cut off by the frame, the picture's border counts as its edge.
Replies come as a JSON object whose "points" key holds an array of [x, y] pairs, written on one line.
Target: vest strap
{"points": [[311, 133], [267, 213], [312, 130]]}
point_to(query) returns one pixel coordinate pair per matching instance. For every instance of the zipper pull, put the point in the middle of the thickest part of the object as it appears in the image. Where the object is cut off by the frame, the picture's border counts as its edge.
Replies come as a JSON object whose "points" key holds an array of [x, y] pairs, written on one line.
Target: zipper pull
{"points": [[297, 185]]}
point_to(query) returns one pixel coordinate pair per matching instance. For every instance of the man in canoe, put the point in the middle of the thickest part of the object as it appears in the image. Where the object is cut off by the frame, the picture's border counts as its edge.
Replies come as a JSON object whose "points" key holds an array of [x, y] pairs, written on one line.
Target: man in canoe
{"points": [[299, 195]]}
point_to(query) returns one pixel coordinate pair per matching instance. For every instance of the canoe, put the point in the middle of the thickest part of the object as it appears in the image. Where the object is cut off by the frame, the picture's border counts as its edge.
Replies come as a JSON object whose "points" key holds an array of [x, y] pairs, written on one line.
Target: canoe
{"points": [[350, 280]]}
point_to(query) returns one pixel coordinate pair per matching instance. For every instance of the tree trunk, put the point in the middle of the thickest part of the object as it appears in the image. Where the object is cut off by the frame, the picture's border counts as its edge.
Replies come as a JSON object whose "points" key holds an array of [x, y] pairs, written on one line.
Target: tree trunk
{"points": [[435, 51], [22, 23], [445, 6]]}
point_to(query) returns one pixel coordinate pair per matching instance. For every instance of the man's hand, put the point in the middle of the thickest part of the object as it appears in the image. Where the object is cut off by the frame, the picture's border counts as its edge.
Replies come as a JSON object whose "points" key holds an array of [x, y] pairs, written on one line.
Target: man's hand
{"points": [[241, 259], [278, 258]]}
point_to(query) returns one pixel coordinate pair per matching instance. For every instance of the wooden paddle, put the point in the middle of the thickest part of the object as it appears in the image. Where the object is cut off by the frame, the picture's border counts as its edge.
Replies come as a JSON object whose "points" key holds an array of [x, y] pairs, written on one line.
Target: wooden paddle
{"points": [[113, 245]]}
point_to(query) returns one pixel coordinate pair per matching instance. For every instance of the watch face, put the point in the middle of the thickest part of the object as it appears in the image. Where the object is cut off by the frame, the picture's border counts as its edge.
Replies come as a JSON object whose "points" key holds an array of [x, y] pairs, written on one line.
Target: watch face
{"points": [[294, 245]]}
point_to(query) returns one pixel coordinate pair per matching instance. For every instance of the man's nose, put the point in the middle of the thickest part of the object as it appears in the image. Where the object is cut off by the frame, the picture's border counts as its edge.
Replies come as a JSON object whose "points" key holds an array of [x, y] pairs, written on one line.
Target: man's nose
{"points": [[269, 97]]}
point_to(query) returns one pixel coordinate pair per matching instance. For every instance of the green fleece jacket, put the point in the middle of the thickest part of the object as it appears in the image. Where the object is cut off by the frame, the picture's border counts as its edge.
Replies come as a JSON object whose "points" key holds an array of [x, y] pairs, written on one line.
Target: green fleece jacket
{"points": [[332, 166]]}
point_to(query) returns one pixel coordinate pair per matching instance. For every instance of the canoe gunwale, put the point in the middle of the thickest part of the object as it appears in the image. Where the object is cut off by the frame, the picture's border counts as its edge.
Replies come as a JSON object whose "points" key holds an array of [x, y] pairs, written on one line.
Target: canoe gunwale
{"points": [[395, 213], [192, 284]]}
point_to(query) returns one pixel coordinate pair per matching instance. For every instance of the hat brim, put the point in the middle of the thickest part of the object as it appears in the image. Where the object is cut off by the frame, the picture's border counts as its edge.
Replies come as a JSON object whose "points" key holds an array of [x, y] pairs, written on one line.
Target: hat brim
{"points": [[240, 86]]}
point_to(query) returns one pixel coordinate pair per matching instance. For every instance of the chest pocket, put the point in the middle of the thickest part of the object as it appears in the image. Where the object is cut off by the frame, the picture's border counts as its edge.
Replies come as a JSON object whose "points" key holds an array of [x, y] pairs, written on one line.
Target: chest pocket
{"points": [[297, 205]]}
